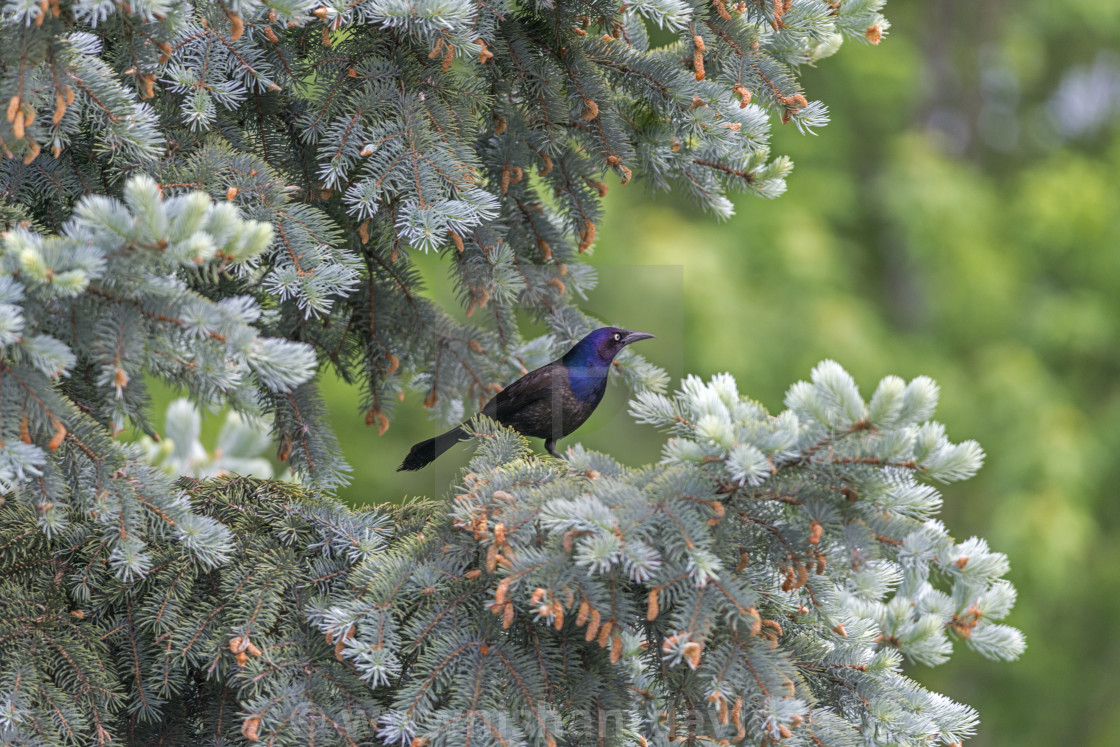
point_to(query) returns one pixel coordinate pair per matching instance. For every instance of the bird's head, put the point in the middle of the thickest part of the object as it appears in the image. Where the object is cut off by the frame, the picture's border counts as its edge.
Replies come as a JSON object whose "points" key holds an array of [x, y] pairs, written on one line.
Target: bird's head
{"points": [[605, 343]]}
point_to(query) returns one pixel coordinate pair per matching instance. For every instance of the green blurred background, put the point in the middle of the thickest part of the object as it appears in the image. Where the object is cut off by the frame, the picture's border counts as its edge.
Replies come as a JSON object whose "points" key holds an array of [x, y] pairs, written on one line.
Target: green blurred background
{"points": [[958, 218]]}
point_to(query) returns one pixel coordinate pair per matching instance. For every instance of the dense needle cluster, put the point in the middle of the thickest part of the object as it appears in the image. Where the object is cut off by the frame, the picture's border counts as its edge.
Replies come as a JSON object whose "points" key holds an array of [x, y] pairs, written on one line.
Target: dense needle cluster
{"points": [[762, 584]]}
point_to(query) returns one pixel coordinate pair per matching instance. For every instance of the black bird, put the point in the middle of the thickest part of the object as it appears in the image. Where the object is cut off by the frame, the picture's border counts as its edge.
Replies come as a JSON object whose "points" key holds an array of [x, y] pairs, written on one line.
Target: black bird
{"points": [[547, 403]]}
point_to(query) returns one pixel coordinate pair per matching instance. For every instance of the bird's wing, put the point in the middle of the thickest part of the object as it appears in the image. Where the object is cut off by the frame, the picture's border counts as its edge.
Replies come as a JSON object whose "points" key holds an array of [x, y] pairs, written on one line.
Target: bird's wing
{"points": [[531, 387]]}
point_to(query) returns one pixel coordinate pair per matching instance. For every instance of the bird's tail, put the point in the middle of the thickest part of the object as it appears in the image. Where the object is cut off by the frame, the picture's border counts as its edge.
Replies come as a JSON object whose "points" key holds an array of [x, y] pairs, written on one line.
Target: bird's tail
{"points": [[425, 452]]}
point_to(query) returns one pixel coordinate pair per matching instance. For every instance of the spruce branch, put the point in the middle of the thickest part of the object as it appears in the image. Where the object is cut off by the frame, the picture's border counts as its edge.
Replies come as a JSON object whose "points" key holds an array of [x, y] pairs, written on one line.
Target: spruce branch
{"points": [[693, 611]]}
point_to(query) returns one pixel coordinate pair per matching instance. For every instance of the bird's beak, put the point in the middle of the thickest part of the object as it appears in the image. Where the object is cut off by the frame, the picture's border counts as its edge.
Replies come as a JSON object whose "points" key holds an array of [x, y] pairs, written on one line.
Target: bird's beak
{"points": [[635, 336]]}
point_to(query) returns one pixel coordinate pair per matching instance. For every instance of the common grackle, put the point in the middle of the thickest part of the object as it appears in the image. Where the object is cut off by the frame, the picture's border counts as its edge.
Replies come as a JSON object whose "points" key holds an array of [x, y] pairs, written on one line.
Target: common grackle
{"points": [[547, 403]]}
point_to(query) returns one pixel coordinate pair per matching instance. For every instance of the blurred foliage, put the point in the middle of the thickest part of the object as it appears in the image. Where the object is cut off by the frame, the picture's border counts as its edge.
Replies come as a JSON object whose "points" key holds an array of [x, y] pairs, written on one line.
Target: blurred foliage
{"points": [[239, 448], [957, 219]]}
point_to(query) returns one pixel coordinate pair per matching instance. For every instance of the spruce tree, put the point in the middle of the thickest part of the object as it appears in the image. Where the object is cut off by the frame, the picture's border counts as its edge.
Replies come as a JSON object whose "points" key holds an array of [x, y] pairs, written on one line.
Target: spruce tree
{"points": [[227, 197]]}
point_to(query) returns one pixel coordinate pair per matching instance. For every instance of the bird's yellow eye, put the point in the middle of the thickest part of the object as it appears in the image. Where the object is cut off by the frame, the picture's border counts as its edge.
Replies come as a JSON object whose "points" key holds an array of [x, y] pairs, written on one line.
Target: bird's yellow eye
{"points": [[617, 337]]}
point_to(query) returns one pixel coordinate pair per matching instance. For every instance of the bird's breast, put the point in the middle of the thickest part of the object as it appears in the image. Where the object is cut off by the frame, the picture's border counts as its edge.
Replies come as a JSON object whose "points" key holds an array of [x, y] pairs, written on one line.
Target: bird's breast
{"points": [[588, 384]]}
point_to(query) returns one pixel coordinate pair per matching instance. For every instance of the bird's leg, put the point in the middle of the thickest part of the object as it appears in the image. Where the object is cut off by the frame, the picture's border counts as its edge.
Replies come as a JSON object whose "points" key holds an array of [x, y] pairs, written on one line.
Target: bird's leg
{"points": [[550, 447]]}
